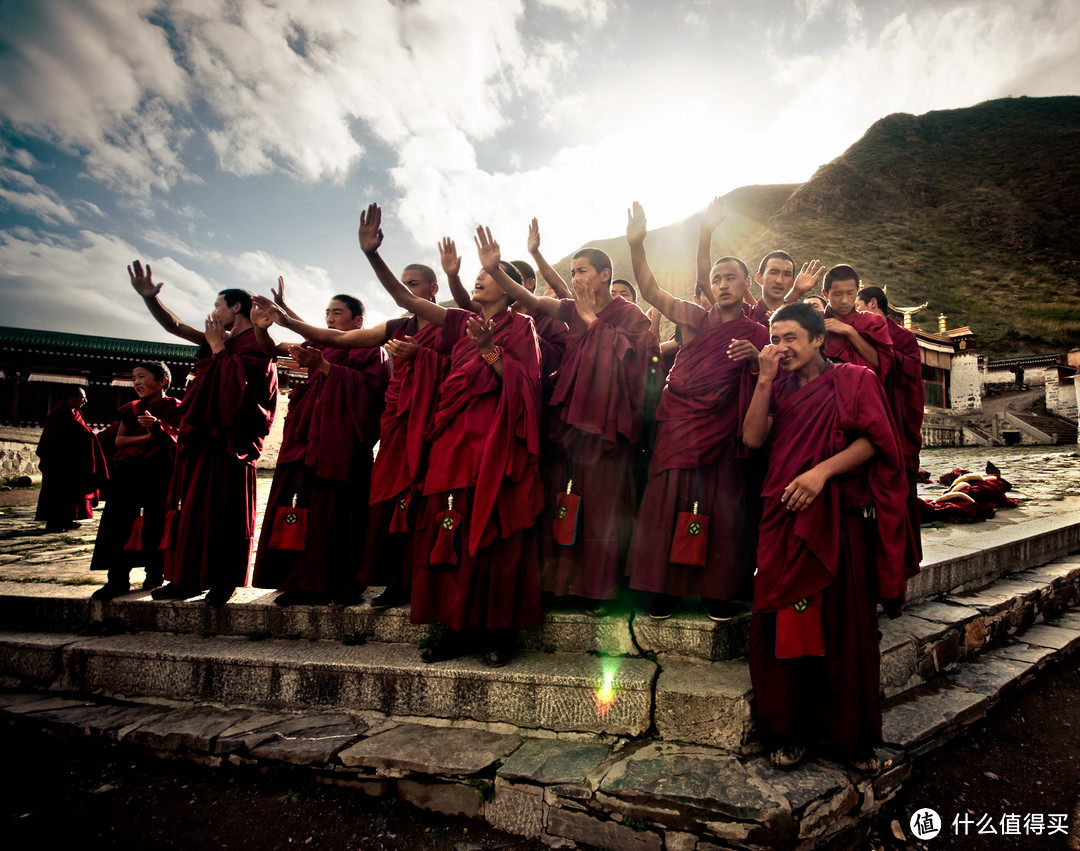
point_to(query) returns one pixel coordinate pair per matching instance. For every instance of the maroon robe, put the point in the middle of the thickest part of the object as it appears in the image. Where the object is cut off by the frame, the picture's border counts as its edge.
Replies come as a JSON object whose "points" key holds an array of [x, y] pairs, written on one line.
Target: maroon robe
{"points": [[551, 335], [876, 332], [759, 312], [398, 472], [73, 468], [139, 485], [699, 457], [831, 549], [907, 398], [225, 417], [485, 453], [597, 423], [325, 466]]}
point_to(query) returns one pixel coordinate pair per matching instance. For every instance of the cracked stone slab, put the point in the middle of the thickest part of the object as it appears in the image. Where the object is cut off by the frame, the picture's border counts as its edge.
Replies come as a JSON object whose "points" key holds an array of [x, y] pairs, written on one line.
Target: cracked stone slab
{"points": [[600, 833], [116, 721], [707, 780], [194, 728], [431, 750], [919, 717], [946, 613], [550, 761], [820, 796], [908, 627], [42, 708], [32, 655], [1048, 635], [246, 733], [690, 634], [708, 703], [988, 676], [1018, 651], [307, 749]]}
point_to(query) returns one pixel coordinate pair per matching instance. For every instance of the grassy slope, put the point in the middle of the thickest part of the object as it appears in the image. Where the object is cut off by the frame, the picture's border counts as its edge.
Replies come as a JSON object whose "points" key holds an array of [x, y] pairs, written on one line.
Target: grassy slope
{"points": [[975, 210]]}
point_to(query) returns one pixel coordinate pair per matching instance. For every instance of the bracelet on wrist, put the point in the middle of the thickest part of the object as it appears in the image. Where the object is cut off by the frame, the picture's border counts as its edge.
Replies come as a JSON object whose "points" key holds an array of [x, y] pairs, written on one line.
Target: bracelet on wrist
{"points": [[494, 355]]}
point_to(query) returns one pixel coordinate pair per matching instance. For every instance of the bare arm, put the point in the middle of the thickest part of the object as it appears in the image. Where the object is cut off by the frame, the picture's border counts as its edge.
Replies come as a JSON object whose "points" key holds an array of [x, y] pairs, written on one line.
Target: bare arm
{"points": [[490, 255], [553, 278], [805, 281], [757, 423], [354, 339], [804, 488], [710, 221], [261, 321], [143, 283], [125, 438], [451, 264], [651, 291]]}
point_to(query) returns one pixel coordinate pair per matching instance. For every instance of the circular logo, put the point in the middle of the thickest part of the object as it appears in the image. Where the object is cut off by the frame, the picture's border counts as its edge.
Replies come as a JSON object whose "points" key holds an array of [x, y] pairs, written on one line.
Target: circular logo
{"points": [[448, 524], [291, 518], [925, 823], [562, 512], [694, 528], [801, 606], [402, 504]]}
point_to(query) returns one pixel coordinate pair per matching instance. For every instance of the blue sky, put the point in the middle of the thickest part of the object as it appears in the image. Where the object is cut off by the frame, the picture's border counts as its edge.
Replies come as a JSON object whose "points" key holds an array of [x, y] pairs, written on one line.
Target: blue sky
{"points": [[226, 144]]}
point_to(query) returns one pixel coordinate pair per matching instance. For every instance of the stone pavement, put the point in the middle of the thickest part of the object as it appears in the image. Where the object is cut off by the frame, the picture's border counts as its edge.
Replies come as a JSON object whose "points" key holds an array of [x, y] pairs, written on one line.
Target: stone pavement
{"points": [[616, 732]]}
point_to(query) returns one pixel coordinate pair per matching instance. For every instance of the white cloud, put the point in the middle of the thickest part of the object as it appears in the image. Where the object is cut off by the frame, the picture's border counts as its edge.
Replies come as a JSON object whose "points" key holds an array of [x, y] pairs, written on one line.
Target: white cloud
{"points": [[593, 11]]}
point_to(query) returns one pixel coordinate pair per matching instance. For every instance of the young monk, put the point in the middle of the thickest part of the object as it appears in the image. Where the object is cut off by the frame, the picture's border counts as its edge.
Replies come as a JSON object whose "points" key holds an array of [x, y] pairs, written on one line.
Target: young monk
{"points": [[905, 392], [224, 419], [134, 517], [853, 337], [832, 542], [73, 467], [420, 357], [596, 427], [699, 464], [324, 466], [474, 552]]}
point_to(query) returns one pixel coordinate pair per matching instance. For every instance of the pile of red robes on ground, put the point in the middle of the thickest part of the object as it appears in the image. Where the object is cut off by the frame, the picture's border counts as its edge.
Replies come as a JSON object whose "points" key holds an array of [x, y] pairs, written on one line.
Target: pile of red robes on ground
{"points": [[970, 497]]}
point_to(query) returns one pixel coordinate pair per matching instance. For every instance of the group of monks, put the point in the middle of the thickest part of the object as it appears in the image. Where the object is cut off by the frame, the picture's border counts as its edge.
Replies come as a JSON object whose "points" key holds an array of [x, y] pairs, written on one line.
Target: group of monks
{"points": [[552, 444]]}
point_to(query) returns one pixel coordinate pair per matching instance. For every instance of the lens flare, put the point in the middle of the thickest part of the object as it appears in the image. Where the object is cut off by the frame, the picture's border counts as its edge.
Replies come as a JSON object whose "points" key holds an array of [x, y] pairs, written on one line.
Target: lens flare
{"points": [[605, 695]]}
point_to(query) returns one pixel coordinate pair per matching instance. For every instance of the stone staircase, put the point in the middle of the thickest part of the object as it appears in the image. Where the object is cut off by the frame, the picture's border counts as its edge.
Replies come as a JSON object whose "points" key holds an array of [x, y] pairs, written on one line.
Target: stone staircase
{"points": [[617, 731]]}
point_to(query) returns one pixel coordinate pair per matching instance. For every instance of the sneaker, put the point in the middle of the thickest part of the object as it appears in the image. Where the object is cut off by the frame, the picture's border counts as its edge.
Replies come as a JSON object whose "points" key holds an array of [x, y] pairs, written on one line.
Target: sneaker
{"points": [[663, 606], [788, 755], [718, 610], [110, 592]]}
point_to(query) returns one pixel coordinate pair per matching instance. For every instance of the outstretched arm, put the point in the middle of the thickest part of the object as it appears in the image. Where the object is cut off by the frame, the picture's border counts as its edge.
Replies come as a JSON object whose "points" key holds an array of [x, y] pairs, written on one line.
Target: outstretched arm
{"points": [[143, 283], [710, 221], [451, 264], [805, 281], [553, 278], [652, 292], [279, 299], [371, 237], [354, 339], [490, 255], [261, 320]]}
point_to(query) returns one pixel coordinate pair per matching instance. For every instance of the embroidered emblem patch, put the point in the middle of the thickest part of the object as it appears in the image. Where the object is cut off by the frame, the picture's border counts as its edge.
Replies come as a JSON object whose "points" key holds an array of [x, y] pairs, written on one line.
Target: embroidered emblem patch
{"points": [[801, 606], [402, 504], [291, 518], [448, 524], [694, 528], [562, 512]]}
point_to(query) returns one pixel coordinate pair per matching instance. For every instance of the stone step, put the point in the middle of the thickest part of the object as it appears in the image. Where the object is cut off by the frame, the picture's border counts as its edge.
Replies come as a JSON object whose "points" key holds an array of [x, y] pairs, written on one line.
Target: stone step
{"points": [[560, 692]]}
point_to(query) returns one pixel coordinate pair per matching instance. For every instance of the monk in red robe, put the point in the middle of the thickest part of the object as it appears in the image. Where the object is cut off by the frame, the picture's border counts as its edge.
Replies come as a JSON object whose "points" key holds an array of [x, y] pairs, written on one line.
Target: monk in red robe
{"points": [[133, 520], [317, 513], [905, 392], [73, 467], [597, 417], [853, 337], [700, 476], [834, 539], [225, 417], [420, 357], [475, 561]]}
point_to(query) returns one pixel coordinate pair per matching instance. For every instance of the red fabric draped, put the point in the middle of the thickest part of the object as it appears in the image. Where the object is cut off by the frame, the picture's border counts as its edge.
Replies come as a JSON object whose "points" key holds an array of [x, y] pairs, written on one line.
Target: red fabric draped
{"points": [[551, 334], [72, 465], [873, 328], [904, 389], [798, 550]]}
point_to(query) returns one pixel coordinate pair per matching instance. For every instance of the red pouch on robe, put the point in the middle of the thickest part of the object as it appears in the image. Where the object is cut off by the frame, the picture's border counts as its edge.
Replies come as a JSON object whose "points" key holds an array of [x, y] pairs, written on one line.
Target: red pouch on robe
{"points": [[134, 541], [798, 629], [289, 531], [690, 545], [171, 531], [399, 522], [448, 543], [567, 509]]}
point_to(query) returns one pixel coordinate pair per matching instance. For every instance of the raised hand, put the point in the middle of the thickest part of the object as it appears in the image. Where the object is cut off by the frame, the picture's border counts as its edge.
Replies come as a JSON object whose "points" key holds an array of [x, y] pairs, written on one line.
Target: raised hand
{"points": [[714, 215], [307, 356], [451, 263], [585, 302], [215, 334], [740, 350], [480, 331], [370, 233], [534, 236], [143, 282], [769, 362], [268, 309], [279, 293], [636, 227], [807, 278], [146, 419], [260, 318], [403, 350], [835, 326], [487, 249]]}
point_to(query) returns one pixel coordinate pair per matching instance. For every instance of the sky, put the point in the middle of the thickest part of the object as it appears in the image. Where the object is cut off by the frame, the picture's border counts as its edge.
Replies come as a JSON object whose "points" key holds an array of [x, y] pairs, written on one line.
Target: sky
{"points": [[228, 143]]}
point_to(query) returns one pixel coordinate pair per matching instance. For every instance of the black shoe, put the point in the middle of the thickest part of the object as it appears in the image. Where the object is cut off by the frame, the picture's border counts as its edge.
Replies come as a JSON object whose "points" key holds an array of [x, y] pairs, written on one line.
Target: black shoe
{"points": [[718, 610], [498, 654], [391, 597], [219, 596], [663, 606], [788, 754], [172, 591], [152, 581], [294, 598], [449, 644], [108, 591]]}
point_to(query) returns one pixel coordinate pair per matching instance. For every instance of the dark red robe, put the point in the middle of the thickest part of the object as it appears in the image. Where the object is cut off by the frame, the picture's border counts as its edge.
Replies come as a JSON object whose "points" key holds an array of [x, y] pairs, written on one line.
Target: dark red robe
{"points": [[225, 417], [597, 414], [324, 466], [907, 398], [485, 452], [876, 332], [139, 485], [833, 549], [759, 312], [699, 457], [551, 335], [411, 398], [73, 468]]}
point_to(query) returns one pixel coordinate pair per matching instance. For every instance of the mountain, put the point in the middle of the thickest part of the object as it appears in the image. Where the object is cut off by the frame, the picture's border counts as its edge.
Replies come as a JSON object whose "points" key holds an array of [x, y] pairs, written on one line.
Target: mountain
{"points": [[976, 211]]}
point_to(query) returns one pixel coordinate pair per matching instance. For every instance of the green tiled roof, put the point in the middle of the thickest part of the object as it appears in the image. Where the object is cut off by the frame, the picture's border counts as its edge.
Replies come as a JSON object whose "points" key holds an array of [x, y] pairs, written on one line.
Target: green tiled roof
{"points": [[59, 341]]}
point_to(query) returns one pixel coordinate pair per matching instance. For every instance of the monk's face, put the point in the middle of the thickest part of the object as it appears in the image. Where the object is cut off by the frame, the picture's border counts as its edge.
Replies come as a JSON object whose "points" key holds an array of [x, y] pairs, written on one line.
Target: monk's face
{"points": [[224, 313], [486, 290], [621, 289], [729, 283], [777, 278], [797, 348], [340, 317], [77, 398], [418, 286], [584, 274], [816, 302], [841, 296], [146, 386]]}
